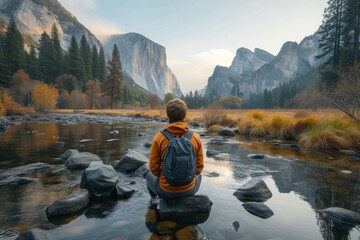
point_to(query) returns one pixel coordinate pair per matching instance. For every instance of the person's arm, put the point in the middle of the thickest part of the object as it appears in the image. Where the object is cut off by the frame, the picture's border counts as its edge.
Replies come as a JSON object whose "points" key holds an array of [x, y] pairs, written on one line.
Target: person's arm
{"points": [[199, 155], [155, 158]]}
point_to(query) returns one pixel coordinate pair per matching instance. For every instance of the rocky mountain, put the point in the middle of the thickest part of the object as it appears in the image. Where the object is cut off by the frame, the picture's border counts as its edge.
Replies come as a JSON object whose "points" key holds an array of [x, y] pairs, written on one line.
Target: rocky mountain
{"points": [[145, 61], [33, 17], [253, 72]]}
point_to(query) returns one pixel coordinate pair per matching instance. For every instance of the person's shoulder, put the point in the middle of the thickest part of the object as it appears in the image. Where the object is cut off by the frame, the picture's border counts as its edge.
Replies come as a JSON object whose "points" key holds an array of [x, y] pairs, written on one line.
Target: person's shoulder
{"points": [[196, 136]]}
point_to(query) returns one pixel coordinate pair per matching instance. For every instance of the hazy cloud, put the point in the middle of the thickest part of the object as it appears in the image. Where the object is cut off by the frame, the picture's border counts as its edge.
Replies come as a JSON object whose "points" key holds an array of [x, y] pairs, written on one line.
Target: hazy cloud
{"points": [[193, 72]]}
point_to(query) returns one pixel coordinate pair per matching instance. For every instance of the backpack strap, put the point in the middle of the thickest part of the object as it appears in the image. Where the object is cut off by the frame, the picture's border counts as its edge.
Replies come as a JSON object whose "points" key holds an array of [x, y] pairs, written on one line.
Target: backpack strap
{"points": [[189, 134], [167, 134]]}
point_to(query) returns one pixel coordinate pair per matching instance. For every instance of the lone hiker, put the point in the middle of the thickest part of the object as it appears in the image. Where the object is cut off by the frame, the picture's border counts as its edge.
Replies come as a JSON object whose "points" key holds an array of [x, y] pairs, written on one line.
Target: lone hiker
{"points": [[184, 160]]}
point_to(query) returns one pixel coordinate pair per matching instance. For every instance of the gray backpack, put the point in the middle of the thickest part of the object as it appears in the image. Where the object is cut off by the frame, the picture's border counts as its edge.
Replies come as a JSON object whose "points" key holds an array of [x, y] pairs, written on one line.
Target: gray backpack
{"points": [[179, 164]]}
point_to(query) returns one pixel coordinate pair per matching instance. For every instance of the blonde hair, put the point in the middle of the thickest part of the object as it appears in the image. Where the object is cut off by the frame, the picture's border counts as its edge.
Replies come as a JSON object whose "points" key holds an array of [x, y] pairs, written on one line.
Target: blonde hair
{"points": [[176, 110]]}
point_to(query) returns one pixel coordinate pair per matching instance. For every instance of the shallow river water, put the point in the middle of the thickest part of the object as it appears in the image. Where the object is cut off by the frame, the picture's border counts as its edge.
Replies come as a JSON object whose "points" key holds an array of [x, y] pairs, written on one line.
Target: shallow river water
{"points": [[300, 183]]}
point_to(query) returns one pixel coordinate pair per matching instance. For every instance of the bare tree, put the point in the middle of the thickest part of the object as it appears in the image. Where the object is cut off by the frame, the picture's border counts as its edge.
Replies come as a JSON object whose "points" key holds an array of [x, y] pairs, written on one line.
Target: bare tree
{"points": [[346, 95]]}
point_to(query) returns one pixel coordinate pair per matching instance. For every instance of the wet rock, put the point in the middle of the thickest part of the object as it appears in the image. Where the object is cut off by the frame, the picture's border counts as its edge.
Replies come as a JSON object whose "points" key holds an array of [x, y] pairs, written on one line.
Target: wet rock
{"points": [[81, 160], [190, 233], [4, 124], [341, 215], [213, 174], [70, 204], [211, 153], [226, 132], [33, 234], [21, 181], [68, 153], [147, 144], [58, 145], [130, 162], [256, 156], [189, 210], [99, 179], [258, 209], [114, 132], [291, 145], [236, 225], [123, 192], [166, 227], [142, 171], [217, 141], [141, 134], [254, 190]]}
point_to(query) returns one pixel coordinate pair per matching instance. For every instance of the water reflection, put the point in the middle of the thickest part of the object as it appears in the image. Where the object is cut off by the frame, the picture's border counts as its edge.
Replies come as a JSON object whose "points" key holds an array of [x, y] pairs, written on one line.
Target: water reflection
{"points": [[300, 183]]}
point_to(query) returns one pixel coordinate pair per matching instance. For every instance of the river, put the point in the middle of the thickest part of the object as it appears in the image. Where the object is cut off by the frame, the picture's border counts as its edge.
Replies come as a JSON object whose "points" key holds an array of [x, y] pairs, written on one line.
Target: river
{"points": [[301, 184]]}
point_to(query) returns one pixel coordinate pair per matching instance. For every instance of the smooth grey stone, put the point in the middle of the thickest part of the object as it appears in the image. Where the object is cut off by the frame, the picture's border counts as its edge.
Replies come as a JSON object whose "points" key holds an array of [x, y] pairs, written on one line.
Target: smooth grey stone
{"points": [[254, 190], [226, 132], [70, 204], [210, 153], [68, 153], [33, 234], [81, 160], [342, 215], [124, 192], [256, 156], [258, 209], [130, 162]]}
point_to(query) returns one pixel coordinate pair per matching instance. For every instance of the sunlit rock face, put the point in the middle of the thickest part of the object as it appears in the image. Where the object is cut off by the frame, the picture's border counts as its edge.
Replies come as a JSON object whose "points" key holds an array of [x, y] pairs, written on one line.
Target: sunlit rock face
{"points": [[33, 17], [145, 61], [253, 72]]}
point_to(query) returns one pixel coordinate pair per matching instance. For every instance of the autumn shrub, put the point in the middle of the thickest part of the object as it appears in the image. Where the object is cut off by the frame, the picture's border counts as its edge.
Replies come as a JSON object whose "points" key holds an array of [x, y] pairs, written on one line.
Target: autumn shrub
{"points": [[325, 138], [44, 97], [288, 132], [2, 109], [257, 115], [303, 124], [228, 121], [301, 114], [245, 127], [258, 130], [9, 106], [276, 124], [213, 115]]}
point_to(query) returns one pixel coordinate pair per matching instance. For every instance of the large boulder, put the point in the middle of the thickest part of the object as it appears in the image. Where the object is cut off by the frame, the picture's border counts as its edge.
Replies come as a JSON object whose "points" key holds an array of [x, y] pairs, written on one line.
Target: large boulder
{"points": [[188, 210], [68, 153], [341, 215], [99, 179], [81, 160], [258, 209], [130, 162], [254, 190], [33, 234], [70, 204]]}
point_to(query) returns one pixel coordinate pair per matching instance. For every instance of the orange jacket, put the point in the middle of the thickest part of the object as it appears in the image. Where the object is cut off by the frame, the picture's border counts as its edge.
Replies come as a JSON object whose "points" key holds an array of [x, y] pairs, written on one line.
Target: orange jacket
{"points": [[157, 153]]}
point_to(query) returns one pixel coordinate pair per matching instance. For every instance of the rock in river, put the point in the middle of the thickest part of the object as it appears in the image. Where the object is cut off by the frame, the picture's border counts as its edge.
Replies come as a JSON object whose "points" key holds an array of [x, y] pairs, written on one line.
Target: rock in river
{"points": [[81, 160], [342, 215], [99, 179], [67, 154], [254, 190], [70, 204], [226, 132], [130, 162], [258, 209], [33, 234], [189, 210]]}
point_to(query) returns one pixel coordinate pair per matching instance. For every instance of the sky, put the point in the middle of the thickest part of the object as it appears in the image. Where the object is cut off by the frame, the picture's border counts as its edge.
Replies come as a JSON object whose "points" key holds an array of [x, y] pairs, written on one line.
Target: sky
{"points": [[200, 34]]}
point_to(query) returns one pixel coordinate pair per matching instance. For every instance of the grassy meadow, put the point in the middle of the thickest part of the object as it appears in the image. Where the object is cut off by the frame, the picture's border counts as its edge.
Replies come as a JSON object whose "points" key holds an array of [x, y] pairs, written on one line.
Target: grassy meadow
{"points": [[326, 129]]}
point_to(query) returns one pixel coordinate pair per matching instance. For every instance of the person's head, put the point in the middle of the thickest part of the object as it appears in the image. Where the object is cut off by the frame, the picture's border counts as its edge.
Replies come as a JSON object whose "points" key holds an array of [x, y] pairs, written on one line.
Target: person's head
{"points": [[176, 110]]}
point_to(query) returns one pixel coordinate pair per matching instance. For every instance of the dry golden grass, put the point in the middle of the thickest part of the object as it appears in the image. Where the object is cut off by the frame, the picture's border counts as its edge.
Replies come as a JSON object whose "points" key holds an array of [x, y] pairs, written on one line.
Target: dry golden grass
{"points": [[215, 128]]}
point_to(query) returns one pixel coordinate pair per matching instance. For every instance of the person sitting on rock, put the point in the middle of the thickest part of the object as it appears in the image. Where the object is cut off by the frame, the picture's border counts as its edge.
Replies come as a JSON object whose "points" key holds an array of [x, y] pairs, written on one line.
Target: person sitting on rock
{"points": [[158, 180]]}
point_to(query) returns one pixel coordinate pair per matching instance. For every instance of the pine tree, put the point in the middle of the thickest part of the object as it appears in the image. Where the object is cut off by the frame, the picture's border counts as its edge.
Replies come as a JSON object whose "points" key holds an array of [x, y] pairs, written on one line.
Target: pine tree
{"points": [[13, 52], [95, 63], [47, 59], [102, 65], [59, 55], [86, 54], [32, 66], [76, 65], [113, 84], [3, 82], [351, 32]]}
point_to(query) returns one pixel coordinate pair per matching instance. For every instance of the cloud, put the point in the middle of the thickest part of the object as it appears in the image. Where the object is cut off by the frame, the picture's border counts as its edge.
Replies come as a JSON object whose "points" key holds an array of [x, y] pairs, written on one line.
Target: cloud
{"points": [[194, 71], [85, 12]]}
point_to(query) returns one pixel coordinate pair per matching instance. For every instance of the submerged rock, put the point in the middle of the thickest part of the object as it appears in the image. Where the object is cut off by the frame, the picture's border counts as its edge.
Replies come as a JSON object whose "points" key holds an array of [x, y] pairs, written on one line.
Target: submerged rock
{"points": [[254, 190], [81, 160], [99, 179], [211, 153], [342, 215], [130, 162], [189, 210], [256, 156], [123, 192], [142, 171], [33, 234], [258, 209], [70, 204]]}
